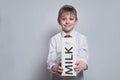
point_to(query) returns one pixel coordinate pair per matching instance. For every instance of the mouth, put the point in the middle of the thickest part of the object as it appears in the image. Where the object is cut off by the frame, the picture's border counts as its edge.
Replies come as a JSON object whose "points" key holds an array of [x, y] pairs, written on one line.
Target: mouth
{"points": [[67, 25]]}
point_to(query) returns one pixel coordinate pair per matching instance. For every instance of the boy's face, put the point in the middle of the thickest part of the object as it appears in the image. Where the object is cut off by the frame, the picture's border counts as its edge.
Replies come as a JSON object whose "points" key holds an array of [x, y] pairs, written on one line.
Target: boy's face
{"points": [[68, 21]]}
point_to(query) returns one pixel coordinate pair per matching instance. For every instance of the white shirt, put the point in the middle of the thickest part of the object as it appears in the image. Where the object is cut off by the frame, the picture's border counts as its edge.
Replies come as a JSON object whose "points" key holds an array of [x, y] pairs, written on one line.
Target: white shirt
{"points": [[55, 48]]}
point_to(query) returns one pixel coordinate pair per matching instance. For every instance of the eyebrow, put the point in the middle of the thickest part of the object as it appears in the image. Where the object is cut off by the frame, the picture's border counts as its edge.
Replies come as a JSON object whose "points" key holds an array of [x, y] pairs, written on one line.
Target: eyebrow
{"points": [[70, 16], [65, 15]]}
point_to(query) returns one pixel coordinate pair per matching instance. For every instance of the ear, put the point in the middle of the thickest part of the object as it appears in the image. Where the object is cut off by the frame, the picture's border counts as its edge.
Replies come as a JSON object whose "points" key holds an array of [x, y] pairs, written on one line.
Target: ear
{"points": [[76, 21], [58, 21]]}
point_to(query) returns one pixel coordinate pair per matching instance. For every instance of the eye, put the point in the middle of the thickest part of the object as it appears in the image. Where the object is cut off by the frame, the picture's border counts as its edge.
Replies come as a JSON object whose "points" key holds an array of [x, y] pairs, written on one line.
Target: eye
{"points": [[71, 18], [63, 18]]}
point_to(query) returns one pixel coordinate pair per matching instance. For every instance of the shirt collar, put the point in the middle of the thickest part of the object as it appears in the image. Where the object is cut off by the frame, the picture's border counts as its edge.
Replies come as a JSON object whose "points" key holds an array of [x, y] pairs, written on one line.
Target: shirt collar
{"points": [[72, 33]]}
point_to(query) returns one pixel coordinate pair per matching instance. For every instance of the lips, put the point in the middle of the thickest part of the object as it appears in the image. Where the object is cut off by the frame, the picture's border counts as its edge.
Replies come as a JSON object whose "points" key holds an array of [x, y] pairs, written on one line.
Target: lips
{"points": [[67, 25]]}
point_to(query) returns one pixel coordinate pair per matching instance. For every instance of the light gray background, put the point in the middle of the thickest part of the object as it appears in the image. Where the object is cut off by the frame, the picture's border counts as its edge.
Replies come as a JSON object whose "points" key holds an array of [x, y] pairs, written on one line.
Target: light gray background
{"points": [[27, 25]]}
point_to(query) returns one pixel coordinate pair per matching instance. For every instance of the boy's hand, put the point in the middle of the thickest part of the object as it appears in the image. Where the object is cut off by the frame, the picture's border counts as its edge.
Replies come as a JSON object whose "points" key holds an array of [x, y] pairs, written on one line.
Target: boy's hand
{"points": [[80, 66], [57, 68]]}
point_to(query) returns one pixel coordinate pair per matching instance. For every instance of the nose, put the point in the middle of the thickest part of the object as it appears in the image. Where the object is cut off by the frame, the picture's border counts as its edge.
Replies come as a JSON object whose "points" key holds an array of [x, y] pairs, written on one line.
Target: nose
{"points": [[67, 21]]}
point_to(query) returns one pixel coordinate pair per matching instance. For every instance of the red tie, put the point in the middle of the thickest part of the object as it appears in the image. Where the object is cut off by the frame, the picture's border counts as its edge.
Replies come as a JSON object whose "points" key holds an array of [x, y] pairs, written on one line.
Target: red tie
{"points": [[67, 36]]}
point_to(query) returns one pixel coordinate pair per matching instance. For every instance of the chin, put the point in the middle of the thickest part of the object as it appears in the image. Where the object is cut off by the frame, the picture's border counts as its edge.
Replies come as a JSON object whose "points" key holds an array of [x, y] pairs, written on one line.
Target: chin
{"points": [[67, 30]]}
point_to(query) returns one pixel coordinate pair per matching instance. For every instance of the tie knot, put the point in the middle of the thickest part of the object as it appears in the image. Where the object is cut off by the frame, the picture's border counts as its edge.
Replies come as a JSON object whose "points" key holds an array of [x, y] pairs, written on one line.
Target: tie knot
{"points": [[67, 36]]}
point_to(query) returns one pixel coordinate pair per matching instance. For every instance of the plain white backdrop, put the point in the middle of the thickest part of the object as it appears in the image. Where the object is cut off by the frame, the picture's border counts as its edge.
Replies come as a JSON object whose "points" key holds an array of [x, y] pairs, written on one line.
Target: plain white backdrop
{"points": [[27, 25]]}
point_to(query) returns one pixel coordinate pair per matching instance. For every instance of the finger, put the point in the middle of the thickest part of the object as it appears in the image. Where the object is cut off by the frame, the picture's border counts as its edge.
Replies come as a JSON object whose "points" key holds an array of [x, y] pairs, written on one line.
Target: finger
{"points": [[76, 68], [60, 69], [59, 64], [59, 72], [77, 63], [83, 67], [78, 71]]}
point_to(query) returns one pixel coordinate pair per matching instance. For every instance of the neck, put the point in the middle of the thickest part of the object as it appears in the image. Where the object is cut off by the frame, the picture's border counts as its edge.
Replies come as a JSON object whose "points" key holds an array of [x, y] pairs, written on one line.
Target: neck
{"points": [[68, 32]]}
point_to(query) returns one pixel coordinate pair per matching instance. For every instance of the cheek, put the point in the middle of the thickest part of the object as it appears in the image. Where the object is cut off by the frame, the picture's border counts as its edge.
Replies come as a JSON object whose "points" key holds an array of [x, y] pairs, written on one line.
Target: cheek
{"points": [[62, 22], [75, 22]]}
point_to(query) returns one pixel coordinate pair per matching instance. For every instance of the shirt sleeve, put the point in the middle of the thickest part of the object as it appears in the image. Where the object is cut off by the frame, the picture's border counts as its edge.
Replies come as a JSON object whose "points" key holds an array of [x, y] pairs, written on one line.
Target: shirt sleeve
{"points": [[83, 50], [51, 59]]}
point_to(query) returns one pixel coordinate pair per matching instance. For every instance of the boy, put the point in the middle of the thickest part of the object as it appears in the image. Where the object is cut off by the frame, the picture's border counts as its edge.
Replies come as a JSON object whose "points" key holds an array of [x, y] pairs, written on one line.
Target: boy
{"points": [[67, 19]]}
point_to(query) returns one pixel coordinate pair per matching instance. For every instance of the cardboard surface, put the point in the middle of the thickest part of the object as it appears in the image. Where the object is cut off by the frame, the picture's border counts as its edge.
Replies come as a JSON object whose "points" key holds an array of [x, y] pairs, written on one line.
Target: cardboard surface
{"points": [[68, 56]]}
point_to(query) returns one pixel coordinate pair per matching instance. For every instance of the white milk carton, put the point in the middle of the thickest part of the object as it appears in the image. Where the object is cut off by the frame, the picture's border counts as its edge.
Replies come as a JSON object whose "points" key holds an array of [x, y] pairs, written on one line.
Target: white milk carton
{"points": [[68, 56]]}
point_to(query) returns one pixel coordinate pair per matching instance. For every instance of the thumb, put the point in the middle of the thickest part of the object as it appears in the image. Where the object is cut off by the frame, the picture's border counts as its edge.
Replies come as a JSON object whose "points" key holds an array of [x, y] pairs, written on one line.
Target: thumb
{"points": [[59, 64], [77, 63]]}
